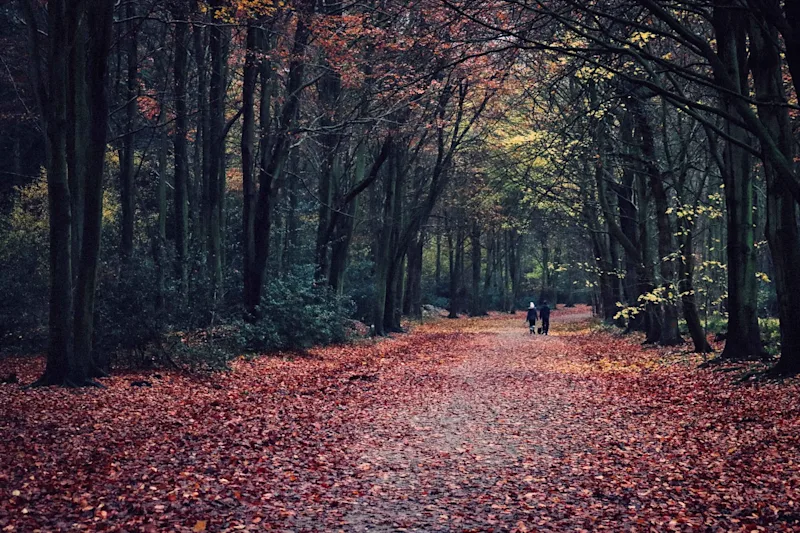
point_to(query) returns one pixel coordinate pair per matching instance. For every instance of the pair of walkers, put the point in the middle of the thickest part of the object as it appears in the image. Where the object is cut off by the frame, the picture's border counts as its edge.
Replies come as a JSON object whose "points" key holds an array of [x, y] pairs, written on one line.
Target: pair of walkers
{"points": [[543, 313]]}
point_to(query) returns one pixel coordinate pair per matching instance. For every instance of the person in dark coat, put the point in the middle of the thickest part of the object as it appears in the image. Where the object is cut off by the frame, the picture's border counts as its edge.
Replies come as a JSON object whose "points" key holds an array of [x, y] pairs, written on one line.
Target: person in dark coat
{"points": [[544, 314], [531, 318]]}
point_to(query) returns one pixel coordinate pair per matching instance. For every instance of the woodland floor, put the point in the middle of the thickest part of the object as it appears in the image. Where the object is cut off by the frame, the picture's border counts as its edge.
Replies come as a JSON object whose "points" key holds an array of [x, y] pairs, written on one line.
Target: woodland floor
{"points": [[467, 425]]}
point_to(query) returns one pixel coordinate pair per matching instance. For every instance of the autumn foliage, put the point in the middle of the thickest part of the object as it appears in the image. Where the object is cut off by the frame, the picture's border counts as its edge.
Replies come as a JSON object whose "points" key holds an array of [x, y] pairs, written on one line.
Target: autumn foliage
{"points": [[469, 425]]}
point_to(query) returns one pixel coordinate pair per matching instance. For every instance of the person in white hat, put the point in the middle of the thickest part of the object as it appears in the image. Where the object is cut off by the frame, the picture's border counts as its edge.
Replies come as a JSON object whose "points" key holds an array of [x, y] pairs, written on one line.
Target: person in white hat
{"points": [[531, 318]]}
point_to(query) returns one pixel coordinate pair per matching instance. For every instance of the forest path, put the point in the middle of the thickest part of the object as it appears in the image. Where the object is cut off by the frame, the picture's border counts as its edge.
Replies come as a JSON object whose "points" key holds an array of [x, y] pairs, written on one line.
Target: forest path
{"points": [[461, 425], [469, 452]]}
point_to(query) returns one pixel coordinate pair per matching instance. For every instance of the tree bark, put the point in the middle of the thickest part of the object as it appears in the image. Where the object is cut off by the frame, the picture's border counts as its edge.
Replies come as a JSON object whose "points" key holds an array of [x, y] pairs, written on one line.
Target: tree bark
{"points": [[275, 149], [670, 334], [477, 306], [743, 341], [414, 279], [78, 120], [202, 156], [54, 106], [782, 227], [127, 168], [181, 176], [383, 249], [248, 160], [216, 122]]}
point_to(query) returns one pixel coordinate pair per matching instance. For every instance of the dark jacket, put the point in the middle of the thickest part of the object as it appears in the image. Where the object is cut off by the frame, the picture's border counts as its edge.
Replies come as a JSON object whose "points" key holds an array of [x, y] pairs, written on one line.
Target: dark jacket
{"points": [[531, 315], [544, 312]]}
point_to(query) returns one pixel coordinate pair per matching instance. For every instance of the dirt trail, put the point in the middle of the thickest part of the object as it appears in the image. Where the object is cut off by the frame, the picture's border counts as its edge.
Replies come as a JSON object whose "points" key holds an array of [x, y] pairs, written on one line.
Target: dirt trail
{"points": [[462, 425], [457, 456]]}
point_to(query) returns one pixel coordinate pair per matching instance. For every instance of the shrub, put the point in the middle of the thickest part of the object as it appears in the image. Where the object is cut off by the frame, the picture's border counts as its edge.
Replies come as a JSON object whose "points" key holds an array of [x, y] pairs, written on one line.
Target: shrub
{"points": [[24, 284], [296, 314], [770, 334]]}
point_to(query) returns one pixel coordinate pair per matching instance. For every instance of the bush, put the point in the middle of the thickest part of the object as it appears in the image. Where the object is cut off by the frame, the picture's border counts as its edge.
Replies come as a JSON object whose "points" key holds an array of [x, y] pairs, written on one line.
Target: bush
{"points": [[24, 284], [296, 314], [770, 334]]}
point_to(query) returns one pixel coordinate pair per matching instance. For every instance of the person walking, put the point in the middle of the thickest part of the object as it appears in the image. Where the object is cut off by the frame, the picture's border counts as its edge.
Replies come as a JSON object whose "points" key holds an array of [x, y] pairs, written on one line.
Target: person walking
{"points": [[544, 314], [531, 318]]}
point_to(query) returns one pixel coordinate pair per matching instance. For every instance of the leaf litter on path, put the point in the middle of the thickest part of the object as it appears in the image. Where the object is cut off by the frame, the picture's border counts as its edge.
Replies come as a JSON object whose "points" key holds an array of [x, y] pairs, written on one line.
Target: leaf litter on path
{"points": [[467, 425]]}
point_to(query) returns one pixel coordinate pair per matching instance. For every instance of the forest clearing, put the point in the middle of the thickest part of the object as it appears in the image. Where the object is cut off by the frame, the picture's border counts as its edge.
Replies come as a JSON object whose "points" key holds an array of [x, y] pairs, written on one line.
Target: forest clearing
{"points": [[468, 425]]}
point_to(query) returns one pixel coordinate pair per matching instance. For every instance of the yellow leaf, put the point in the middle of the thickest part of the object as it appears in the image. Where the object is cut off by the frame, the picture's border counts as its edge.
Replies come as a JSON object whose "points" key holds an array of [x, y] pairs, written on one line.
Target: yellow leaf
{"points": [[200, 525]]}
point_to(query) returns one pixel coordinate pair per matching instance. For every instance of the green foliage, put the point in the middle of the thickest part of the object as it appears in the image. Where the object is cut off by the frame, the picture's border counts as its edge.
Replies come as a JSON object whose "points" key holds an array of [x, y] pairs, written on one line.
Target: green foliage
{"points": [[360, 288], [296, 314], [24, 283], [770, 334]]}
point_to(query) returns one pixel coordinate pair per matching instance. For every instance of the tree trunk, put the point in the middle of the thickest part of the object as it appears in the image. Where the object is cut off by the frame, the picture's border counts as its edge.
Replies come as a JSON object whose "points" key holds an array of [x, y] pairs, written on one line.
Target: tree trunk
{"points": [[127, 168], [70, 351], [456, 270], [394, 294], [628, 216], [743, 340], [514, 268], [383, 250], [216, 178], [100, 19], [78, 120], [60, 344], [782, 228], [202, 158], [341, 244], [670, 335], [248, 163], [274, 151], [181, 177], [437, 275], [160, 237], [414, 280], [687, 292], [477, 308]]}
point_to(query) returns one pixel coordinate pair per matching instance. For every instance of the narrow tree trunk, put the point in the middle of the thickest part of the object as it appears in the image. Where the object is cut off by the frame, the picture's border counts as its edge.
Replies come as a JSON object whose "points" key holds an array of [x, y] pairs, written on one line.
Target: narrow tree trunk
{"points": [[456, 272], [127, 168], [687, 292], [506, 268], [343, 227], [202, 158], [248, 164], [340, 246], [670, 334], [545, 269], [181, 176], [515, 268], [414, 280], [160, 240], [437, 275], [628, 216], [383, 252], [394, 292], [477, 308], [216, 178], [329, 89]]}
